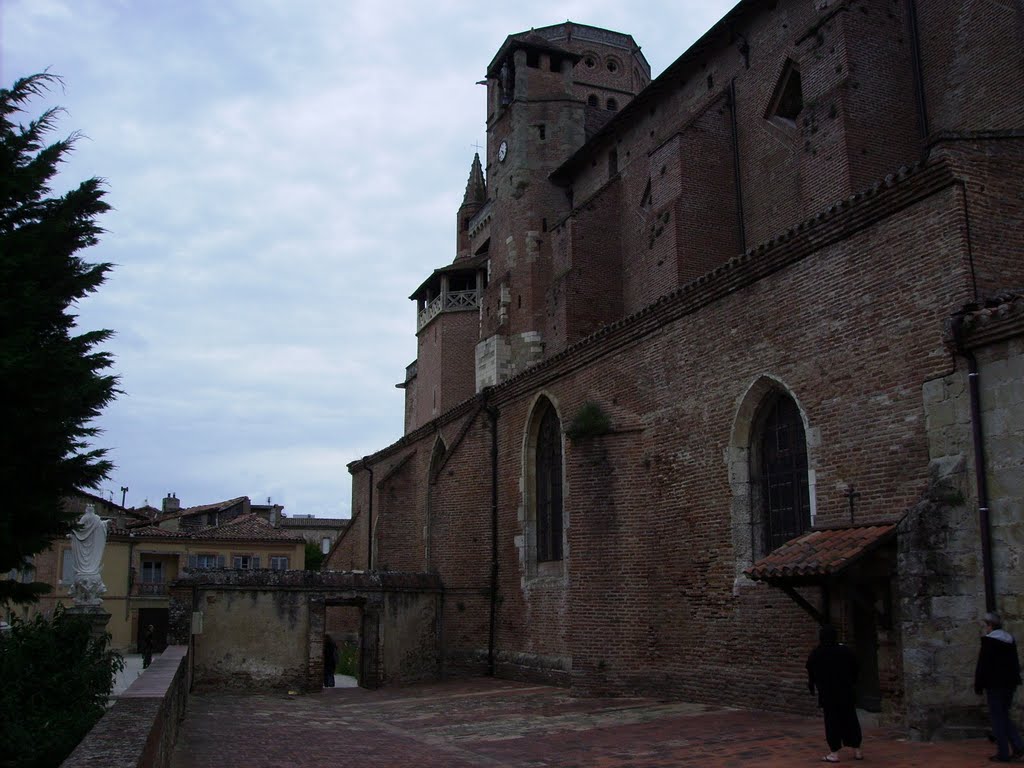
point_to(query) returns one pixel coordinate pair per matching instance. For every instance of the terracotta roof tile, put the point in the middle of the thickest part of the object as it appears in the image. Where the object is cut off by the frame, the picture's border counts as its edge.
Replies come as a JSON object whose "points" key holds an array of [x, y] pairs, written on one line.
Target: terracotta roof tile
{"points": [[820, 553], [200, 509], [998, 316], [245, 527], [242, 528], [152, 530], [314, 522]]}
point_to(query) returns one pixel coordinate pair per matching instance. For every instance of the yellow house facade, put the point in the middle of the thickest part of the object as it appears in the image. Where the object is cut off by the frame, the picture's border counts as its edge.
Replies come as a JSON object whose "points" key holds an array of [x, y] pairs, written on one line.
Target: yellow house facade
{"points": [[140, 563]]}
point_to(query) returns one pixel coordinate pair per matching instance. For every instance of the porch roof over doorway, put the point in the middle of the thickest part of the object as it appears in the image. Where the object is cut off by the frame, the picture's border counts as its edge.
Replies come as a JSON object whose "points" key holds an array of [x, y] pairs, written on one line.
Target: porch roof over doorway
{"points": [[819, 554]]}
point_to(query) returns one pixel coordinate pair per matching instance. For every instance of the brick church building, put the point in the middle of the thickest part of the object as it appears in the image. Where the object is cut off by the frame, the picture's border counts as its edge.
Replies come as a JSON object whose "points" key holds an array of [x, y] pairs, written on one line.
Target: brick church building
{"points": [[726, 354]]}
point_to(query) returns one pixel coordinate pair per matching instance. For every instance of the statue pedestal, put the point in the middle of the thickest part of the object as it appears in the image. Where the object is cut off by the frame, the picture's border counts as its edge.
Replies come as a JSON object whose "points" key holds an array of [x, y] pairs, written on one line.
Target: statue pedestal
{"points": [[98, 618]]}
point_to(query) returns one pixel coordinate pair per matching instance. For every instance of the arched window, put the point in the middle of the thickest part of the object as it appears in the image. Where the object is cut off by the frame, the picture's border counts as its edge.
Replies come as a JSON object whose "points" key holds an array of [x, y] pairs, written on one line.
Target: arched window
{"points": [[612, 105], [782, 472], [437, 458], [548, 489], [592, 100]]}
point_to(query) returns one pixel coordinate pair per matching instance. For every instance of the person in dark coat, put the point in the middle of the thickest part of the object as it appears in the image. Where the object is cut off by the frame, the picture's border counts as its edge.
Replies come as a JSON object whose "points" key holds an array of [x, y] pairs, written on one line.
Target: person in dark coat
{"points": [[330, 660], [998, 675], [147, 646], [832, 671]]}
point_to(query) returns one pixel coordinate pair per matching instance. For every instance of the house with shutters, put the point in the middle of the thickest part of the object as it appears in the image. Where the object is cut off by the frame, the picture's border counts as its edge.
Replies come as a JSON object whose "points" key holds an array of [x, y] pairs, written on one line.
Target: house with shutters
{"points": [[143, 558]]}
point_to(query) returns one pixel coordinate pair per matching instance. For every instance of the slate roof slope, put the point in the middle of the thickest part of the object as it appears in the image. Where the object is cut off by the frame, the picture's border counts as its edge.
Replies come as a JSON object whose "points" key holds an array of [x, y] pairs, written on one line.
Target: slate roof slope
{"points": [[820, 553]]}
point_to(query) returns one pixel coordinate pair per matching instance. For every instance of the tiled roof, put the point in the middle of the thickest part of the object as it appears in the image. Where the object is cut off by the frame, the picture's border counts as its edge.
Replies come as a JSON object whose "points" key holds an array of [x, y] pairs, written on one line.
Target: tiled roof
{"points": [[242, 528], [245, 527], [198, 510], [820, 553], [152, 530], [998, 316], [314, 522]]}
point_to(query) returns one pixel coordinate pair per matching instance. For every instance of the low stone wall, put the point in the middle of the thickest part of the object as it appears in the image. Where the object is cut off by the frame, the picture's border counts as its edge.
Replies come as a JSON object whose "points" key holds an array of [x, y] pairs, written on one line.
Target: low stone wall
{"points": [[139, 730], [263, 630]]}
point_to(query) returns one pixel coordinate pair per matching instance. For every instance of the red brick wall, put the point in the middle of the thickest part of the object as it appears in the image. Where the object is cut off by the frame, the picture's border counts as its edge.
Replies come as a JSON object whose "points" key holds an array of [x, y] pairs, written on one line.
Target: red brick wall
{"points": [[585, 292], [973, 70], [651, 602], [843, 305], [445, 369], [993, 217]]}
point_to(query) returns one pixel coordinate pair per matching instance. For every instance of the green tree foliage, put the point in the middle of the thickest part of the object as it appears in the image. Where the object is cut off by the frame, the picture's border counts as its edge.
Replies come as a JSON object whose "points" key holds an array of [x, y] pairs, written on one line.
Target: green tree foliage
{"points": [[314, 557], [56, 682], [51, 379]]}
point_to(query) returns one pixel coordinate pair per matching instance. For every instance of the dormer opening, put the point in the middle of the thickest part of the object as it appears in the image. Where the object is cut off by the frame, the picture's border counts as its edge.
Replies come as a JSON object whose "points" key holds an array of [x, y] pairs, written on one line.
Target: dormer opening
{"points": [[787, 100]]}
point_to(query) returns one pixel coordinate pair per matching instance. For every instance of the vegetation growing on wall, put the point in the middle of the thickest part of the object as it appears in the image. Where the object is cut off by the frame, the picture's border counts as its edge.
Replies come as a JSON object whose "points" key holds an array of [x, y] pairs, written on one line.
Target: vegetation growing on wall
{"points": [[314, 557], [56, 681], [590, 421]]}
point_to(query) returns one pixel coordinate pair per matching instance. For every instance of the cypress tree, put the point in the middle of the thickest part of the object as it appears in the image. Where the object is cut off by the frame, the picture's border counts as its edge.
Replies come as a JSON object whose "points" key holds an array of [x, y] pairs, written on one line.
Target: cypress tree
{"points": [[53, 380]]}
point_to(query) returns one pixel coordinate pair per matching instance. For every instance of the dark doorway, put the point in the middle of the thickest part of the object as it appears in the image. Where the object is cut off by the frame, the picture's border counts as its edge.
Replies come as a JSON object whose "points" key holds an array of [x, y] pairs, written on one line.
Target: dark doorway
{"points": [[368, 674], [344, 625], [158, 618], [865, 641]]}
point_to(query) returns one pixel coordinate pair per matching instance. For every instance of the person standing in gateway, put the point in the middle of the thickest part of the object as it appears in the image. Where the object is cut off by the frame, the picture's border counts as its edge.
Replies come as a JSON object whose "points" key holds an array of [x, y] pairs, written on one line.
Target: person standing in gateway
{"points": [[330, 660], [998, 675], [832, 670], [147, 647]]}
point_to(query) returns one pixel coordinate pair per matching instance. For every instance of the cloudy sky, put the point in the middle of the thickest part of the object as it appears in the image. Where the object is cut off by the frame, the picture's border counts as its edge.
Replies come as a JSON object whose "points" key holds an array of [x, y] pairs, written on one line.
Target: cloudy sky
{"points": [[284, 173]]}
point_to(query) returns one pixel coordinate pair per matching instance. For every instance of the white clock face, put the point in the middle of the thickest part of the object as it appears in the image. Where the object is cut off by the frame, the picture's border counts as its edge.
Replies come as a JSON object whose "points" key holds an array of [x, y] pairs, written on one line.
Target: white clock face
{"points": [[502, 151]]}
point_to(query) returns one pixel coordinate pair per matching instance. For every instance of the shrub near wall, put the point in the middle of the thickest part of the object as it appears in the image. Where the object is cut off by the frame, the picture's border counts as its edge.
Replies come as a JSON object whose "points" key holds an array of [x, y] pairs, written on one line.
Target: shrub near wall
{"points": [[56, 682]]}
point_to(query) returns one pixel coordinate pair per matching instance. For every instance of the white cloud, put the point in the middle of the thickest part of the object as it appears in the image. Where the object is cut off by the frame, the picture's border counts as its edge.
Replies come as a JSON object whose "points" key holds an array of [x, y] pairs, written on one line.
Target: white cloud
{"points": [[283, 174]]}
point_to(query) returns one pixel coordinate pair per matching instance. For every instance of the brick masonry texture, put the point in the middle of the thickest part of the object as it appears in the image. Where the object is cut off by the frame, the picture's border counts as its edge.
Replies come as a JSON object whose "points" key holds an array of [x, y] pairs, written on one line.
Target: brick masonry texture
{"points": [[679, 266]]}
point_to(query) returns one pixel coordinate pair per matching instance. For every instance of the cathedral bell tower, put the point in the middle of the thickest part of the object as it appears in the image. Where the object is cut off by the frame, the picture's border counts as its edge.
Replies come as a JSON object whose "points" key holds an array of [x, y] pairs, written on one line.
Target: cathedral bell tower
{"points": [[447, 320], [542, 88]]}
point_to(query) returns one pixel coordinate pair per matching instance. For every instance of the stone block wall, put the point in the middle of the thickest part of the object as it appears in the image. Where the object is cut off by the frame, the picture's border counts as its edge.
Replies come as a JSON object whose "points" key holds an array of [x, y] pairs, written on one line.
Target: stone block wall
{"points": [[942, 595], [264, 630]]}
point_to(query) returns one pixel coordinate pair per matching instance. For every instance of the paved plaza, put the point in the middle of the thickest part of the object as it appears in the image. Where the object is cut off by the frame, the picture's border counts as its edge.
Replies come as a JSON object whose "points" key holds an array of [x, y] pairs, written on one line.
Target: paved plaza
{"points": [[482, 722]]}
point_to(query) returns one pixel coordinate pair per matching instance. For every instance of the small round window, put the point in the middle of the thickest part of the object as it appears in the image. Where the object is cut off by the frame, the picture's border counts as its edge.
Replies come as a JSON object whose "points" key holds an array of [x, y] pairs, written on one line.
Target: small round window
{"points": [[613, 66], [589, 61]]}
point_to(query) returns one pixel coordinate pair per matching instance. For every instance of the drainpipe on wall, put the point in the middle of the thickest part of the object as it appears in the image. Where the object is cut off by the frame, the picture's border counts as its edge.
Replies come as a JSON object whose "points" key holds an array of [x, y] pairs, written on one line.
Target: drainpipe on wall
{"points": [[918, 74], [741, 231], [369, 517], [493, 413], [980, 479]]}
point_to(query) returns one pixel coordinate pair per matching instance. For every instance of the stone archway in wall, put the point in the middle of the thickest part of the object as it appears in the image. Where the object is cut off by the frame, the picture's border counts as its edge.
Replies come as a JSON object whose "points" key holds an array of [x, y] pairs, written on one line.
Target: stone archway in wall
{"points": [[747, 507], [354, 631]]}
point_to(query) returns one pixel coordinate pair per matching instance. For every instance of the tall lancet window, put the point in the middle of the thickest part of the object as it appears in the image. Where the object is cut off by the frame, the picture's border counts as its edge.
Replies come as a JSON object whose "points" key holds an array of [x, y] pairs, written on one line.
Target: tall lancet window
{"points": [[785, 491], [549, 486]]}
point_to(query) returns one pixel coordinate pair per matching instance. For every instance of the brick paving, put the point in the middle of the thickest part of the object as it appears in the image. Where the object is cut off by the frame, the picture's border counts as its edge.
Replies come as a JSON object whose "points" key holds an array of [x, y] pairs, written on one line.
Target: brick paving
{"points": [[490, 723]]}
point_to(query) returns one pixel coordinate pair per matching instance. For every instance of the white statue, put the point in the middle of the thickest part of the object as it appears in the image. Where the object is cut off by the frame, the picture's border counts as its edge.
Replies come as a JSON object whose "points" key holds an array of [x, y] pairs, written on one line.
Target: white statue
{"points": [[87, 543]]}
